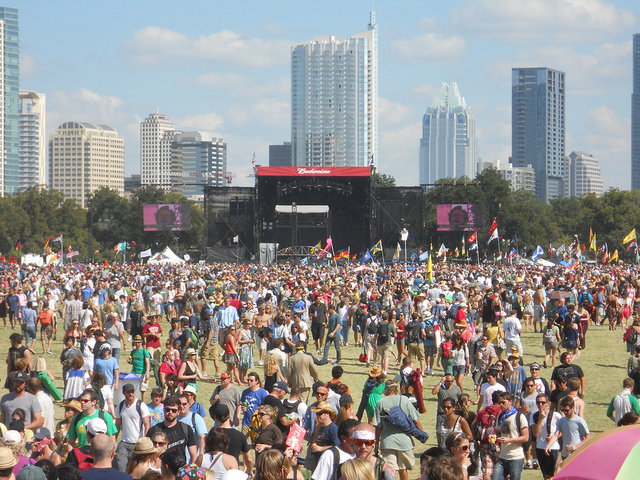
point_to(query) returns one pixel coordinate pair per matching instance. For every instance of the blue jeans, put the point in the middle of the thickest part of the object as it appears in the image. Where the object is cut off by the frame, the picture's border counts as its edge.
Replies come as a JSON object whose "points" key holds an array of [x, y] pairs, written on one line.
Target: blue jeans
{"points": [[345, 332], [30, 334], [503, 467], [336, 342]]}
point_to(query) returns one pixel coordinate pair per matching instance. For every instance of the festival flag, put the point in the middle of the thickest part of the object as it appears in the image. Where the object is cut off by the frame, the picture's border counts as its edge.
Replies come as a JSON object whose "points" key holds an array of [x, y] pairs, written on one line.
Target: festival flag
{"points": [[316, 248], [396, 254], [355, 255], [430, 268], [120, 247], [305, 260], [73, 253], [463, 244], [236, 239], [414, 255], [423, 256], [628, 238], [442, 251], [145, 253], [456, 252], [19, 245], [473, 247], [255, 167], [538, 253], [343, 254], [633, 244], [324, 251], [366, 256], [472, 238], [57, 239], [605, 253], [514, 240], [47, 248], [614, 256], [494, 225], [512, 253], [377, 247], [494, 235]]}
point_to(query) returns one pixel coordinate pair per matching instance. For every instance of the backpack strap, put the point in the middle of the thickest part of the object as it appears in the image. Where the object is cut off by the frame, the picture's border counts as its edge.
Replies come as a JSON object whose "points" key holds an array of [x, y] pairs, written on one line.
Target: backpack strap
{"points": [[379, 468], [336, 463]]}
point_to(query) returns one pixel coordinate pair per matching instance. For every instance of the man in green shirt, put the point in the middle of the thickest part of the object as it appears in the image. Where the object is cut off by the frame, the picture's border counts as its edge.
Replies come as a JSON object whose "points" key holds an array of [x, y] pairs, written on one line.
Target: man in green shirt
{"points": [[140, 360], [77, 429]]}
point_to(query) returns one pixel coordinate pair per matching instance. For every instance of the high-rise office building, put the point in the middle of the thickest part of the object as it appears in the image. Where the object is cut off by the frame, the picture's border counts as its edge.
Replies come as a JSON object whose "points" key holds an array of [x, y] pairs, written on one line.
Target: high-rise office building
{"points": [[334, 100], [281, 155], [538, 127], [519, 178], [635, 116], [201, 160], [84, 157], [156, 135], [449, 146], [9, 101], [584, 174], [33, 142]]}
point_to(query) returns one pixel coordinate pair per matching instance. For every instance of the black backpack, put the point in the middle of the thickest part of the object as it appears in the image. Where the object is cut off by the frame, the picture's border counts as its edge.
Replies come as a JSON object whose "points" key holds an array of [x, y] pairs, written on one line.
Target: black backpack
{"points": [[383, 332], [453, 311], [372, 328], [138, 409], [412, 331]]}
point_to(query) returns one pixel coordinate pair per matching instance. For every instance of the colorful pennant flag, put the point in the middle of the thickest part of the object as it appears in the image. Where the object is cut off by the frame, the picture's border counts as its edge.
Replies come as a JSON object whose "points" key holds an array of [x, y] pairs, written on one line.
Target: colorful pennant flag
{"points": [[538, 253], [614, 256], [316, 248], [377, 247], [494, 225], [57, 239], [473, 237], [145, 253], [628, 238], [494, 235]]}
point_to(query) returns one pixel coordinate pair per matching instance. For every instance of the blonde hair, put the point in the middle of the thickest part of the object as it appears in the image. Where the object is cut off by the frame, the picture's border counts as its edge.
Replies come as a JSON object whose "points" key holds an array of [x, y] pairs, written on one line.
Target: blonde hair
{"points": [[358, 469], [267, 410], [270, 365], [272, 464], [137, 307], [41, 365], [209, 474]]}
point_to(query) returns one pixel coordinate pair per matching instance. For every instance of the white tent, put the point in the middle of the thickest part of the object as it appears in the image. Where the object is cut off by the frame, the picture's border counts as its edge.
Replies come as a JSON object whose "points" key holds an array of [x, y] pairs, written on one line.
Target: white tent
{"points": [[166, 257], [32, 259]]}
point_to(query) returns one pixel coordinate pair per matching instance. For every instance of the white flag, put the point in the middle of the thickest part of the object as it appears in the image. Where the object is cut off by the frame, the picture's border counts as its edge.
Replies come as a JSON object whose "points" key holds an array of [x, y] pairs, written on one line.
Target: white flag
{"points": [[494, 236], [442, 251], [236, 239], [146, 253]]}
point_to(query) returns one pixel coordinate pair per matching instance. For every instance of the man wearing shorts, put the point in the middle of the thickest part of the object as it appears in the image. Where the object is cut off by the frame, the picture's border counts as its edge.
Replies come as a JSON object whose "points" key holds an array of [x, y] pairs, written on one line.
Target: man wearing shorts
{"points": [[318, 315], [260, 324], [384, 345], [152, 331], [210, 348], [429, 344], [46, 329]]}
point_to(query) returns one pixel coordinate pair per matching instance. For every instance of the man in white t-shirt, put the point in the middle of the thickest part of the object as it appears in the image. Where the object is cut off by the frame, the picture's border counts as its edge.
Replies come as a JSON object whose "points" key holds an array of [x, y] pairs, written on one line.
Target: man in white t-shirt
{"points": [[512, 329], [513, 432], [132, 421], [544, 423], [326, 466], [487, 388]]}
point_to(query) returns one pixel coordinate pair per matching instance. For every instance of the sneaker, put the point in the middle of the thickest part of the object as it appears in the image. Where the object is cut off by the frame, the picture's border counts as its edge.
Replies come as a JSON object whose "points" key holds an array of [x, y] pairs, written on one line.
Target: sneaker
{"points": [[261, 362], [527, 466], [535, 465], [49, 352]]}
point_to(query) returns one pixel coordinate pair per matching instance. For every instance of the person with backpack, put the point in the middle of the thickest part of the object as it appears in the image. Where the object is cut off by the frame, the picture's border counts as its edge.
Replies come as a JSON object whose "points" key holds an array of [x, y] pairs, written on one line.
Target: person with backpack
{"points": [[385, 332], [77, 428], [334, 326], [132, 420], [195, 421], [82, 456], [513, 432], [484, 429], [444, 354], [430, 324], [327, 467], [414, 334], [369, 335], [181, 435], [551, 340], [140, 360]]}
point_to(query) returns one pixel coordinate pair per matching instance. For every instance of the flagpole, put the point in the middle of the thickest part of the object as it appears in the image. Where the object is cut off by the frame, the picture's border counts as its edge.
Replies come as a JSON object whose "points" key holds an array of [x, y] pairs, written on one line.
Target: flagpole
{"points": [[382, 248], [61, 249], [477, 248], [333, 256]]}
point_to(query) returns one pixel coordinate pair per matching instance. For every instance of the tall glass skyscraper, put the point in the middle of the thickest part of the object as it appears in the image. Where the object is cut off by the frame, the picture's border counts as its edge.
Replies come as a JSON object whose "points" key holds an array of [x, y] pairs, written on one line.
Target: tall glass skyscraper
{"points": [[449, 146], [334, 100], [635, 116], [10, 98], [538, 127]]}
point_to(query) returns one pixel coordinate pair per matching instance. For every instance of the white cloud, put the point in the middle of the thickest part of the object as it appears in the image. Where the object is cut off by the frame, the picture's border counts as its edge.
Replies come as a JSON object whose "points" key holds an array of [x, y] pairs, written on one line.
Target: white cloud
{"points": [[609, 139], [430, 47], [207, 122], [244, 85], [400, 153], [563, 21], [393, 113], [427, 91], [156, 46], [218, 80]]}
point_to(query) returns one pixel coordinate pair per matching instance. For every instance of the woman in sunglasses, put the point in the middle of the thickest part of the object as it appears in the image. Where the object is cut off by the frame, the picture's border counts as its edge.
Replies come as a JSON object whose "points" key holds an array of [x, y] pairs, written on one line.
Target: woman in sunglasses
{"points": [[451, 423], [458, 445]]}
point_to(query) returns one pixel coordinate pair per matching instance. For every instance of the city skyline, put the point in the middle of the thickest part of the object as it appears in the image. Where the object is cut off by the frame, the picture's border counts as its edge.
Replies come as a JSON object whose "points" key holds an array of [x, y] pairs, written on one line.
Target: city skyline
{"points": [[228, 72]]}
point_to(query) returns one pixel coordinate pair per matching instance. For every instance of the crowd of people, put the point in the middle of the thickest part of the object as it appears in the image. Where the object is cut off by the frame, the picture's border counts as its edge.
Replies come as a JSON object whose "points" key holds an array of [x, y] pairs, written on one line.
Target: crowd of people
{"points": [[261, 335]]}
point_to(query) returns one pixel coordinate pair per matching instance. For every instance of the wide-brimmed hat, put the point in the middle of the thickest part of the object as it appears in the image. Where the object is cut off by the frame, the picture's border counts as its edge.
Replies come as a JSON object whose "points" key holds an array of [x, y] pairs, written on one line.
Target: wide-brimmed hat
{"points": [[427, 314], [324, 407], [7, 458], [190, 351], [75, 404], [137, 338], [190, 389], [375, 372], [143, 446], [421, 296]]}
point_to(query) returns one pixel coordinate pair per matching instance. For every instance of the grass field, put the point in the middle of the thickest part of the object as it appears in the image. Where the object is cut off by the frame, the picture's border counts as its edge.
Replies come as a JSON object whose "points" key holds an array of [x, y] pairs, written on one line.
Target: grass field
{"points": [[603, 362]]}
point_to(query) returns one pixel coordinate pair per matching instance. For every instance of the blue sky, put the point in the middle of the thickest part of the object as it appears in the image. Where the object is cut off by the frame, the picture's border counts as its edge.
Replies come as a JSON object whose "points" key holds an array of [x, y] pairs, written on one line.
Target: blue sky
{"points": [[224, 68]]}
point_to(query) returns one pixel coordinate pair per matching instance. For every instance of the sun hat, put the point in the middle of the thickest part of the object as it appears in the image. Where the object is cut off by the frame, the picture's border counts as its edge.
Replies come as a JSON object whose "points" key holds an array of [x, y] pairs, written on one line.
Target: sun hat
{"points": [[7, 458], [74, 404], [143, 446], [190, 351], [190, 389], [322, 407], [375, 372], [96, 426]]}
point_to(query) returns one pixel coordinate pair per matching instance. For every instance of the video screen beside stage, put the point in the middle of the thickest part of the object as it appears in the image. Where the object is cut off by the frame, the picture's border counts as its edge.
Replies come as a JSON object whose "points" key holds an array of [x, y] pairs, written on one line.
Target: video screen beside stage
{"points": [[166, 217], [459, 217]]}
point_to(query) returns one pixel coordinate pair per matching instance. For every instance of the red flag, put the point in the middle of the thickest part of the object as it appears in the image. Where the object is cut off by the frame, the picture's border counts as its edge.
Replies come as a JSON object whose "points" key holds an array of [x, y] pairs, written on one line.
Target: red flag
{"points": [[584, 247], [355, 255], [106, 264], [97, 251], [12, 259], [18, 246], [2, 259], [134, 243], [494, 225], [473, 238]]}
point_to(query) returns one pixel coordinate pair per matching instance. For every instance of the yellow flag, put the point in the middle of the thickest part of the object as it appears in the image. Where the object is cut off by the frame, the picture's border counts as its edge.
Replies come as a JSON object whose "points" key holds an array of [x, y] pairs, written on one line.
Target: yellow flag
{"points": [[377, 247], [316, 248], [430, 269], [592, 240], [614, 256], [630, 237]]}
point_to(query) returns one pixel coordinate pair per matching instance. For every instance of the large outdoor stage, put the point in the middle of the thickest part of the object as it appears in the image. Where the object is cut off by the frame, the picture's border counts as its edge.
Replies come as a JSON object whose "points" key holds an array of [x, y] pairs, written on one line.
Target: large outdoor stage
{"points": [[301, 206]]}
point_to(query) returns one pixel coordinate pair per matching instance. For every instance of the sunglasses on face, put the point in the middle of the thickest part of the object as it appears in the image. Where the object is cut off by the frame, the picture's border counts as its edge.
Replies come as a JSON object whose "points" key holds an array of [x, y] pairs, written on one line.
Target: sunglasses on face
{"points": [[159, 444], [541, 402], [171, 410], [464, 448], [447, 407], [361, 443]]}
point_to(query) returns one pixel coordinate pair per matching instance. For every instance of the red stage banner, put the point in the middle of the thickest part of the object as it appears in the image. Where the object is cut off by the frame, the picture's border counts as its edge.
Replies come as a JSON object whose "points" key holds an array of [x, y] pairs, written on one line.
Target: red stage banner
{"points": [[314, 172]]}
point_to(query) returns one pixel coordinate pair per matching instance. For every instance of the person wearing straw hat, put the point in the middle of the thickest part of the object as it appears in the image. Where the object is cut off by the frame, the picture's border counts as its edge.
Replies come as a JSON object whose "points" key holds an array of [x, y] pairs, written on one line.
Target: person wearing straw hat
{"points": [[145, 457], [7, 461], [324, 436]]}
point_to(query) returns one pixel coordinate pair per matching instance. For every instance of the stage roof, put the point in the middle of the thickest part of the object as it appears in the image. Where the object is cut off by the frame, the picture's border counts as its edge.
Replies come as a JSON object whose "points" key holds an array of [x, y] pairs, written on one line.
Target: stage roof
{"points": [[314, 171]]}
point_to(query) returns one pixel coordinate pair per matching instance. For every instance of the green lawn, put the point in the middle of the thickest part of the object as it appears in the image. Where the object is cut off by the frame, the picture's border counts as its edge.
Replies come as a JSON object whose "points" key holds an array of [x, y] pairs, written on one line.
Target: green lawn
{"points": [[604, 364]]}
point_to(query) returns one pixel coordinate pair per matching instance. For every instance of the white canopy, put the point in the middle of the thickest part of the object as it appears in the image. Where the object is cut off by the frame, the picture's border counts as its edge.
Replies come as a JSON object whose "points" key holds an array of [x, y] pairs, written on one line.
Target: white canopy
{"points": [[166, 257]]}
